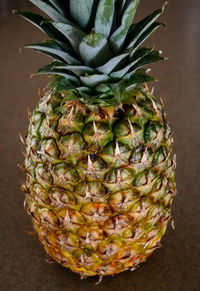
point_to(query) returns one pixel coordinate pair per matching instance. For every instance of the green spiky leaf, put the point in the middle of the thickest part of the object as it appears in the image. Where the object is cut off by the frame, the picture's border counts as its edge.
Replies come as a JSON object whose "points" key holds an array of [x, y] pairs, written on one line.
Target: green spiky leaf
{"points": [[51, 48], [139, 77], [102, 88], [112, 64], [147, 33], [104, 17], [53, 33], [46, 26], [120, 6], [151, 57], [139, 28], [94, 80], [59, 5], [118, 37], [77, 70], [102, 99], [50, 10], [52, 69], [94, 49], [73, 34], [98, 67], [81, 11], [117, 90], [139, 54], [60, 84], [34, 18]]}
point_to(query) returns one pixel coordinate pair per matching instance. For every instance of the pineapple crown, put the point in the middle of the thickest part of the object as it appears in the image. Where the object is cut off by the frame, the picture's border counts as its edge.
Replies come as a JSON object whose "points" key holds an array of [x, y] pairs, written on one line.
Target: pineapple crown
{"points": [[96, 49]]}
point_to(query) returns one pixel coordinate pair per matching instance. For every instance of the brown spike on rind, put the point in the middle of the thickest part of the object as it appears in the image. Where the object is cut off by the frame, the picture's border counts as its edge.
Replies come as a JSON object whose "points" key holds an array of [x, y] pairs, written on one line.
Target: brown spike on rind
{"points": [[22, 167], [30, 232], [102, 113], [163, 109], [21, 139], [79, 106], [24, 188], [174, 161], [83, 276], [121, 106], [152, 90], [23, 152], [49, 260], [134, 268], [117, 150], [25, 205], [29, 113], [146, 87], [100, 280], [40, 93], [172, 224]]}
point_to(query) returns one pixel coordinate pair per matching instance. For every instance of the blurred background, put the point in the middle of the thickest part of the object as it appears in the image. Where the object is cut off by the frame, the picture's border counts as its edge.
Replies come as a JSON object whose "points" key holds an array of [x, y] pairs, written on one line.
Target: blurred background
{"points": [[176, 266]]}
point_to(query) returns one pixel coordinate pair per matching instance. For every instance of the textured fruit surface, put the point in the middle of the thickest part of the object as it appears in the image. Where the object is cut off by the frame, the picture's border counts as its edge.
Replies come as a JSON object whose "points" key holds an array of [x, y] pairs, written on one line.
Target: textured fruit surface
{"points": [[100, 183]]}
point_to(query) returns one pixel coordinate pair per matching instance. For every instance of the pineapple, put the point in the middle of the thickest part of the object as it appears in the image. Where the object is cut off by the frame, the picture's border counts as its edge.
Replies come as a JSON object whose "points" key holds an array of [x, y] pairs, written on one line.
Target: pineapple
{"points": [[99, 162]]}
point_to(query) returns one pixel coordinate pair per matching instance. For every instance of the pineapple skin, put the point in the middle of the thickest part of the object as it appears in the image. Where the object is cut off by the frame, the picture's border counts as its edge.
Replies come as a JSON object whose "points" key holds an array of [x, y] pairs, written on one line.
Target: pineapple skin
{"points": [[100, 183]]}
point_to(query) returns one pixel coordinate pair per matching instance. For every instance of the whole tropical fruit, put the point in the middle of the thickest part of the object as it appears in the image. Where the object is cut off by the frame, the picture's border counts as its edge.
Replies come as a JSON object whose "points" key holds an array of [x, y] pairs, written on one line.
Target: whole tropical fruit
{"points": [[99, 161]]}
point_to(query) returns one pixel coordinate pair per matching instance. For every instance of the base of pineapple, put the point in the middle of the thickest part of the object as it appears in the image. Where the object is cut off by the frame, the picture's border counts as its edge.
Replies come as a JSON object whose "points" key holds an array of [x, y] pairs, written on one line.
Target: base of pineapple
{"points": [[96, 265], [127, 258]]}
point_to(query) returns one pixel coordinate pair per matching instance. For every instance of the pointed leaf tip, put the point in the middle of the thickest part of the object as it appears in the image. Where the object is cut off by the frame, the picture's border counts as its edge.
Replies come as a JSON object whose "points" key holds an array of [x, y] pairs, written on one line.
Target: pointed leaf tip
{"points": [[52, 49], [166, 3], [144, 28]]}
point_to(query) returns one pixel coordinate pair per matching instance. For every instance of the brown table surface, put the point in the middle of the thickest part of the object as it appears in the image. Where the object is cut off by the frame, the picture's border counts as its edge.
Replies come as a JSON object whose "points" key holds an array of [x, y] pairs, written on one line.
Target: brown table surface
{"points": [[176, 266]]}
